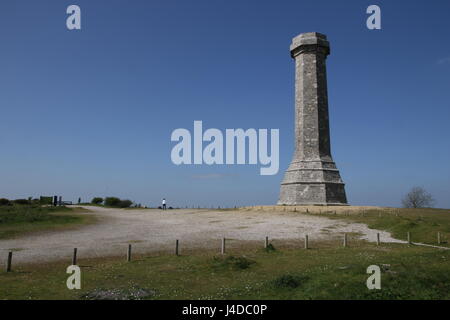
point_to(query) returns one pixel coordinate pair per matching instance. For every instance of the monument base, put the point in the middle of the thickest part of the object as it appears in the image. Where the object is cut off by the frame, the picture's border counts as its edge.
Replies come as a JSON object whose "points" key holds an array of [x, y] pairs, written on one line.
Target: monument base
{"points": [[322, 194], [313, 182]]}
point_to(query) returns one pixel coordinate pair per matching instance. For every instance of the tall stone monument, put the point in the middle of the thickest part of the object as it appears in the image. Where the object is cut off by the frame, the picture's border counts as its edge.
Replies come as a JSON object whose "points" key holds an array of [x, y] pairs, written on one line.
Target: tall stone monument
{"points": [[312, 177]]}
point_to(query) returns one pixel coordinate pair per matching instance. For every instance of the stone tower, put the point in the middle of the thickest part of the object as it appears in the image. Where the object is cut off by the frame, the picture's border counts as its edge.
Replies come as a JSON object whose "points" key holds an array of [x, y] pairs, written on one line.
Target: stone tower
{"points": [[312, 177]]}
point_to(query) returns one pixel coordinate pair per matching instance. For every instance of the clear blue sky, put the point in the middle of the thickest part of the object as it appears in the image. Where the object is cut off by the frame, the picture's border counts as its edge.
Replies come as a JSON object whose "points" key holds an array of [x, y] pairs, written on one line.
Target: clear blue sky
{"points": [[90, 113]]}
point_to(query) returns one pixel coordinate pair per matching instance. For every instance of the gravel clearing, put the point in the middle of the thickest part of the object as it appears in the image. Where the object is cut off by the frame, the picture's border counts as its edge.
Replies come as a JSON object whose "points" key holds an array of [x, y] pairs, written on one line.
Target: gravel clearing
{"points": [[151, 230]]}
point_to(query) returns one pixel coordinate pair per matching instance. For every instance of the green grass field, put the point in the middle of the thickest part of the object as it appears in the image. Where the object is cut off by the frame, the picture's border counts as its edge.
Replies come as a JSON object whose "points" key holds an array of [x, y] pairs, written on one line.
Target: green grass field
{"points": [[16, 220], [423, 224], [104, 206], [325, 271], [409, 272]]}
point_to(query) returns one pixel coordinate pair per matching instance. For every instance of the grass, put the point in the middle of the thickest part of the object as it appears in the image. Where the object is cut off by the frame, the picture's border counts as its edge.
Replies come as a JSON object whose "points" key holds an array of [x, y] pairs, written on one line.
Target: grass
{"points": [[112, 207], [16, 220], [326, 271], [423, 224], [409, 272], [90, 204], [231, 262]]}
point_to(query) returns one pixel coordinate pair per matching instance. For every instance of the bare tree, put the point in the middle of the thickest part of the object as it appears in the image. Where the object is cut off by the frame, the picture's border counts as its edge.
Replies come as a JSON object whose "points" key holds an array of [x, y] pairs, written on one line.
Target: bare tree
{"points": [[418, 197]]}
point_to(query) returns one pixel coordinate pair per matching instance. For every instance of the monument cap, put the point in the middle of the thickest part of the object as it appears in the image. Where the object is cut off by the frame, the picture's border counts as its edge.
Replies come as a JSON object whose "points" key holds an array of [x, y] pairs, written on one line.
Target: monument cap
{"points": [[309, 40]]}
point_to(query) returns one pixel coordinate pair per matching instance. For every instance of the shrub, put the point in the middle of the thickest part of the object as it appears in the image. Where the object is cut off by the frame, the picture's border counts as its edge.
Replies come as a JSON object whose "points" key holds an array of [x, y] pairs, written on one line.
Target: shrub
{"points": [[21, 201], [117, 203], [125, 203], [97, 200], [36, 213], [4, 202], [231, 262], [288, 281], [46, 200], [112, 201]]}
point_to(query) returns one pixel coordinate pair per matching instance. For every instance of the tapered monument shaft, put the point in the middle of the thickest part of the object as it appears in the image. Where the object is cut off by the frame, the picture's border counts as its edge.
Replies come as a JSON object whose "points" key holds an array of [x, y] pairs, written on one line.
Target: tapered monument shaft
{"points": [[312, 177]]}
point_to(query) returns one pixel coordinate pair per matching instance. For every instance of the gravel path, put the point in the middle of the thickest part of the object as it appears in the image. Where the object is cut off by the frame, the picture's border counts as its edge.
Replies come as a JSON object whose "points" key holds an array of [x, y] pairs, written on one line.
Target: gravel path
{"points": [[154, 230]]}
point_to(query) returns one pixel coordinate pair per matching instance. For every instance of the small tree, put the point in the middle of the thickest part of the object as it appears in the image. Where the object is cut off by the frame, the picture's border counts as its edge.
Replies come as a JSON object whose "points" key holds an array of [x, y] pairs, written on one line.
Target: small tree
{"points": [[96, 200], [112, 201], [125, 203], [21, 201], [418, 198], [117, 203], [4, 202]]}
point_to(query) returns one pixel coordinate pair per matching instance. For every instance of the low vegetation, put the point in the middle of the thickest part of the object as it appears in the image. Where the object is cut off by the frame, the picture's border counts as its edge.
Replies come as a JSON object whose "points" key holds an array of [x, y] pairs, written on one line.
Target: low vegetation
{"points": [[289, 281], [231, 263], [270, 247], [97, 200], [17, 219], [408, 272], [110, 202], [325, 271], [422, 223], [117, 203]]}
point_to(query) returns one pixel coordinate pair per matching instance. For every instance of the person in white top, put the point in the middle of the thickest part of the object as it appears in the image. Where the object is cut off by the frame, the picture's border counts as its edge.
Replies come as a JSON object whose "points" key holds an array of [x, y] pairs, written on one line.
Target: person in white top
{"points": [[164, 203]]}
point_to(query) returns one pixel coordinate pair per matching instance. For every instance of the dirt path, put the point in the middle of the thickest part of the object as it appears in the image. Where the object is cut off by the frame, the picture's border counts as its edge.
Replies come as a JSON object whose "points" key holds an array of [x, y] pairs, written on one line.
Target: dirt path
{"points": [[153, 230]]}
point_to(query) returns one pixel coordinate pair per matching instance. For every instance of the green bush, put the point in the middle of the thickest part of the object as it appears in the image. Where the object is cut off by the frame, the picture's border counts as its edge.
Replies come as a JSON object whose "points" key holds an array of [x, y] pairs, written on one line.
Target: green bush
{"points": [[288, 281], [231, 262], [21, 201], [46, 200], [117, 203], [125, 203], [4, 202], [112, 201], [97, 200], [30, 213]]}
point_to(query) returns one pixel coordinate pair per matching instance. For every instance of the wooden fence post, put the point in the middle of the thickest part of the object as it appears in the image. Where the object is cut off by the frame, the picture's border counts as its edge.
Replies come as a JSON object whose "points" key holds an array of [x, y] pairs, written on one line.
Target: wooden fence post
{"points": [[409, 237], [176, 247], [306, 241], [378, 239], [223, 245], [345, 240], [129, 253], [439, 237], [9, 262], [74, 257], [266, 242]]}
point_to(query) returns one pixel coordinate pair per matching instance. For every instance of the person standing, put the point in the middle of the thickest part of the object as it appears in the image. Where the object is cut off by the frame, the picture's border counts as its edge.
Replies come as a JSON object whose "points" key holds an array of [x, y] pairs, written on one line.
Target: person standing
{"points": [[164, 203]]}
